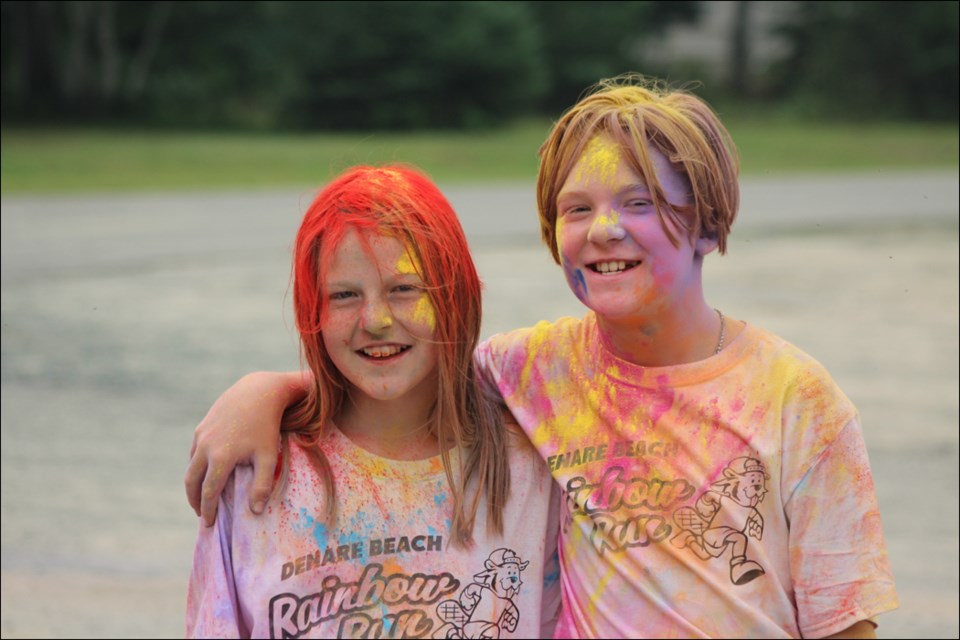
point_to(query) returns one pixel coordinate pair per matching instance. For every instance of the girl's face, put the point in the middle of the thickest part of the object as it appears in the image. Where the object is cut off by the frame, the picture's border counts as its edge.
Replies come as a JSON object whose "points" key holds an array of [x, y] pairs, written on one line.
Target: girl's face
{"points": [[379, 324], [615, 253]]}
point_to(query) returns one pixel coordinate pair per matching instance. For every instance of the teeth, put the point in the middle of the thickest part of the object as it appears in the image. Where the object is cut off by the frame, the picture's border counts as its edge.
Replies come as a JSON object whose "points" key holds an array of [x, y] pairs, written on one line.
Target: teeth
{"points": [[612, 266], [383, 351]]}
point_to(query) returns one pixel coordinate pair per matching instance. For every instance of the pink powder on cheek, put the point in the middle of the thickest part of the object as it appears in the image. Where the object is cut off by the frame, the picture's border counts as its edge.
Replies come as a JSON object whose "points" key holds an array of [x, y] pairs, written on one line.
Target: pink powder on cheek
{"points": [[664, 275], [338, 319]]}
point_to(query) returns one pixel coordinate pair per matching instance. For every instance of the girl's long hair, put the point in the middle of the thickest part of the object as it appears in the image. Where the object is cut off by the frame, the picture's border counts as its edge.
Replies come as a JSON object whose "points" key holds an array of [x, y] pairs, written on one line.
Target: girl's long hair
{"points": [[400, 202]]}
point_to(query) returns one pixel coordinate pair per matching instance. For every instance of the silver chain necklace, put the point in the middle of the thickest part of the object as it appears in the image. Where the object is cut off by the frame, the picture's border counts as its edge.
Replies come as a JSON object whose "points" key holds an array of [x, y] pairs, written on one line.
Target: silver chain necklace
{"points": [[722, 327]]}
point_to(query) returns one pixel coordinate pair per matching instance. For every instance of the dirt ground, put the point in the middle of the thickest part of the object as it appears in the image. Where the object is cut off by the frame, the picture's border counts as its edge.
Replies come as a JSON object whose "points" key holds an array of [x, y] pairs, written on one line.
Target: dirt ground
{"points": [[123, 317]]}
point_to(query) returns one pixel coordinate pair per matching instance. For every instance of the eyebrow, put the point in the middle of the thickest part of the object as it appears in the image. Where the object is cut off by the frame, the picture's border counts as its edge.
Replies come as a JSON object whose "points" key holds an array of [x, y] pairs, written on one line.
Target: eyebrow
{"points": [[402, 275], [394, 277], [634, 186]]}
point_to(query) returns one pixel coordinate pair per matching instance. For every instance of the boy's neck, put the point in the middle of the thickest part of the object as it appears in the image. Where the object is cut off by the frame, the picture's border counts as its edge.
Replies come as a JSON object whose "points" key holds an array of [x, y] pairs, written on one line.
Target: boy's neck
{"points": [[674, 337]]}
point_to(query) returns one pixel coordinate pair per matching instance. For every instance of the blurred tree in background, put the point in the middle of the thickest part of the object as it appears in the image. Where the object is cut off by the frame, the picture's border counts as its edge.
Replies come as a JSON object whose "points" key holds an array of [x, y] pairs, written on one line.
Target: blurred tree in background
{"points": [[586, 41], [221, 63], [79, 58], [411, 64], [886, 59]]}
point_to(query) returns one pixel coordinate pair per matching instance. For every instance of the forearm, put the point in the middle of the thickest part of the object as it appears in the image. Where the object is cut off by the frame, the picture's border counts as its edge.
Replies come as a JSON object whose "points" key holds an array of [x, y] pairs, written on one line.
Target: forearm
{"points": [[279, 389], [862, 629], [242, 427], [253, 405]]}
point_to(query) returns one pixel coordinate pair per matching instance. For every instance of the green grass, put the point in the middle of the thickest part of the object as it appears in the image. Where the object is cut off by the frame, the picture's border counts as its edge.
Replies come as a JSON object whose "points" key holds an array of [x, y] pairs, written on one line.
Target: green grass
{"points": [[778, 147], [85, 160]]}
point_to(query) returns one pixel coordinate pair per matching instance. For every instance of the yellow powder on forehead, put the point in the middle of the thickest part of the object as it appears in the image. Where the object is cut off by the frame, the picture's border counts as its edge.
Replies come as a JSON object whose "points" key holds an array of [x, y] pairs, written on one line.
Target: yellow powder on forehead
{"points": [[408, 264], [599, 160]]}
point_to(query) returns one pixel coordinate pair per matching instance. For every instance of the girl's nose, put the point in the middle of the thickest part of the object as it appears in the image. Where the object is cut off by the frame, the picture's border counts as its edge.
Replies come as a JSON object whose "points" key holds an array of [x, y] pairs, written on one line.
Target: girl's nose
{"points": [[606, 228], [377, 317]]}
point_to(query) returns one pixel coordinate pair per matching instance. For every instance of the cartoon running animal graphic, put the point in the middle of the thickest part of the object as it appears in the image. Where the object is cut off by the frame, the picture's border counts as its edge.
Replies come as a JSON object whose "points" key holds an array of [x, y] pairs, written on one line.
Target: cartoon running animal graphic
{"points": [[724, 516], [486, 605]]}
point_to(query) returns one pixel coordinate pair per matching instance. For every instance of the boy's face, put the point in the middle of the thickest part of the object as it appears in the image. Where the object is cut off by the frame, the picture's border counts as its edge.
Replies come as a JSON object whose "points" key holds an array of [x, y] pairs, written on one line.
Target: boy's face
{"points": [[615, 253], [379, 324]]}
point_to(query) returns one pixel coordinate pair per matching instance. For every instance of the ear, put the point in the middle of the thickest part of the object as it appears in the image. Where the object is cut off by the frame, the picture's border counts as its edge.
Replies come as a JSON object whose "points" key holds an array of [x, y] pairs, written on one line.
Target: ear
{"points": [[705, 245]]}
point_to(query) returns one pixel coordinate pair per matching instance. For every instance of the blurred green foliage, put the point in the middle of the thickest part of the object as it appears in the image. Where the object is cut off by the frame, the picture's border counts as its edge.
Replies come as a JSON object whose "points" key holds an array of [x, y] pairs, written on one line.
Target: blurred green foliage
{"points": [[583, 42], [877, 59], [404, 64], [400, 65], [312, 65]]}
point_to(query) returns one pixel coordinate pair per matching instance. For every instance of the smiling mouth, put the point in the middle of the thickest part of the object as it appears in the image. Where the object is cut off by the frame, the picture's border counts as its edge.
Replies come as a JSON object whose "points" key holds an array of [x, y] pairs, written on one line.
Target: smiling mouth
{"points": [[611, 267], [383, 351]]}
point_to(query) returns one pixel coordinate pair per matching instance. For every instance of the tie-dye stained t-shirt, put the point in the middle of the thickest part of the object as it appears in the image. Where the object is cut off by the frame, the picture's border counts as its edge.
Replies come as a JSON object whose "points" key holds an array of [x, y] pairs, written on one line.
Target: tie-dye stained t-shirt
{"points": [[387, 568], [730, 497]]}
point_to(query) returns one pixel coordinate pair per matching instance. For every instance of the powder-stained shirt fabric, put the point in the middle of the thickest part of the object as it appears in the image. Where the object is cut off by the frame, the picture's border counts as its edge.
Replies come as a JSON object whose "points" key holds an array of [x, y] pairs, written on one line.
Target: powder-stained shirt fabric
{"points": [[388, 567], [730, 497]]}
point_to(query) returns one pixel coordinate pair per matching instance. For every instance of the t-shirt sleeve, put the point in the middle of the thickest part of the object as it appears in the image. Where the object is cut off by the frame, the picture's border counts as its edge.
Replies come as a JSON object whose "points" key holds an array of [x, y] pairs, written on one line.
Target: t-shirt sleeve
{"points": [[503, 360], [484, 361], [838, 555], [212, 607]]}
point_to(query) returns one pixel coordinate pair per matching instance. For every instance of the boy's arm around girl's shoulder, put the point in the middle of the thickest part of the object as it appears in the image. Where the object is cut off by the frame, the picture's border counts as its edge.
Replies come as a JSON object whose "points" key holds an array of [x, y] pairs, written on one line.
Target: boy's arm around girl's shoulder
{"points": [[241, 428]]}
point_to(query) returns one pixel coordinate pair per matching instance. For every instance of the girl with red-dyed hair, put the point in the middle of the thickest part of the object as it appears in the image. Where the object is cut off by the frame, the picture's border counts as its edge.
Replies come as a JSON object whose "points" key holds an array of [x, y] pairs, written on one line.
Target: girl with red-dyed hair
{"points": [[402, 504]]}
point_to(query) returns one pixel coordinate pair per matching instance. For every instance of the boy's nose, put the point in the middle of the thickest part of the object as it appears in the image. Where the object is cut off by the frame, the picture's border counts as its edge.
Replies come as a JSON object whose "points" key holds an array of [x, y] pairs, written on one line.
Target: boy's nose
{"points": [[606, 228], [377, 317]]}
